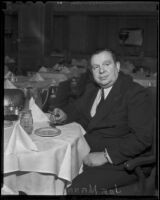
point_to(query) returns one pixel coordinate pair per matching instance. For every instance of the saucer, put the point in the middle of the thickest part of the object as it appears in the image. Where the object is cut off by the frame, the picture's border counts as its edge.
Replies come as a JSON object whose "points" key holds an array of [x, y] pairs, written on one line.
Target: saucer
{"points": [[47, 132]]}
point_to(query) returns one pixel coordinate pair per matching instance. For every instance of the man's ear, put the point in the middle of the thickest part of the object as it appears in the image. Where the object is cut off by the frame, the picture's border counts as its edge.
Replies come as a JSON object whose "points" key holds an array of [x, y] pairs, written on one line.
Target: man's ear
{"points": [[118, 65]]}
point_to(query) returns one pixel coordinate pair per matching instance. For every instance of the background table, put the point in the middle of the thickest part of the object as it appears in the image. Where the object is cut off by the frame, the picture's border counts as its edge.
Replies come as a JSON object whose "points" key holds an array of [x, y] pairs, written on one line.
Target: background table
{"points": [[52, 168], [145, 81]]}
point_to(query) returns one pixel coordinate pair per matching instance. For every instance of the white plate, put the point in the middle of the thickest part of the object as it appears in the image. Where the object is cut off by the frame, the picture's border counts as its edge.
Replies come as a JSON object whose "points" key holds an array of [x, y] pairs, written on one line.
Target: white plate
{"points": [[47, 132]]}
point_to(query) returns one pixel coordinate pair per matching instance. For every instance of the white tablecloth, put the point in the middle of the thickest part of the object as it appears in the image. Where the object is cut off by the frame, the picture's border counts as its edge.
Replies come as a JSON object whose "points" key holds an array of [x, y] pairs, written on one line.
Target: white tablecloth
{"points": [[58, 77], [48, 171], [145, 81]]}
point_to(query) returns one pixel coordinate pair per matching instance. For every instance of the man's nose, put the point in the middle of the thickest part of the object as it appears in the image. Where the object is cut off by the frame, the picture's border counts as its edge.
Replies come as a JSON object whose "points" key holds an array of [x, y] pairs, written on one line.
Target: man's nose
{"points": [[101, 69]]}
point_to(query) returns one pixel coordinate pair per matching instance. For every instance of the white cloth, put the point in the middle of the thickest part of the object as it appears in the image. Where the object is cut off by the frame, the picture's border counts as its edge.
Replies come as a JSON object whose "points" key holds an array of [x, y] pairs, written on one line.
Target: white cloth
{"points": [[43, 69], [19, 141], [37, 114], [8, 74], [8, 191], [50, 169], [65, 70], [58, 77], [98, 98], [36, 77], [9, 85], [108, 157]]}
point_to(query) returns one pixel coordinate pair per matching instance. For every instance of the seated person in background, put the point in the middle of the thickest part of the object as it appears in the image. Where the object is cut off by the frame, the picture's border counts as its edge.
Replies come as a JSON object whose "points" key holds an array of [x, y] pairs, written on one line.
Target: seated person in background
{"points": [[117, 117]]}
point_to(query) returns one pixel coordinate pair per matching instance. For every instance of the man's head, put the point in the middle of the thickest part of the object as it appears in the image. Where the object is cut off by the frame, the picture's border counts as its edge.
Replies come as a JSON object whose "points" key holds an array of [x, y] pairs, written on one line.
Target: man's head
{"points": [[105, 68]]}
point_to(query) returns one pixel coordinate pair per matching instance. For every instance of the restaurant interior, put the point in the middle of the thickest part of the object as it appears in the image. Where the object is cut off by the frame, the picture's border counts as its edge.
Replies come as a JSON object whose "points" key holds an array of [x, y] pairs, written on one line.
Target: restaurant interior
{"points": [[47, 49]]}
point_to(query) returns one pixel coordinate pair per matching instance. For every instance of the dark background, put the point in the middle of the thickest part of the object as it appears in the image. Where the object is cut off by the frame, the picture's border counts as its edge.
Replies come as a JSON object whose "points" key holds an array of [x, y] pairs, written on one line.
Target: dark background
{"points": [[34, 33]]}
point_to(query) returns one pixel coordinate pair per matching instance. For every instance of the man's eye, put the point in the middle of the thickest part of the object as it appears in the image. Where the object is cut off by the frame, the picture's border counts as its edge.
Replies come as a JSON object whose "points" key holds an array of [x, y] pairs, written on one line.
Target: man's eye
{"points": [[95, 67], [106, 64]]}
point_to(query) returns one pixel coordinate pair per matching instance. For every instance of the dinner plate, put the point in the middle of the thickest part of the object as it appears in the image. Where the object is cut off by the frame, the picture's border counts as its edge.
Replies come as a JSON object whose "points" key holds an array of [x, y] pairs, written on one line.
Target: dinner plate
{"points": [[47, 132], [7, 123]]}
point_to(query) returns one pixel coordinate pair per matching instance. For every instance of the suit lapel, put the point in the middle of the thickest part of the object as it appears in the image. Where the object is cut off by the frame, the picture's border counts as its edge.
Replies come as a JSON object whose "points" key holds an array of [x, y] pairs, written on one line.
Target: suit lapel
{"points": [[105, 109]]}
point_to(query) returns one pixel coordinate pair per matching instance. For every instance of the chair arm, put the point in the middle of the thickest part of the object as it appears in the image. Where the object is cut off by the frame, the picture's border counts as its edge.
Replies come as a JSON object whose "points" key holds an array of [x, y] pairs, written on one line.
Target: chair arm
{"points": [[133, 163]]}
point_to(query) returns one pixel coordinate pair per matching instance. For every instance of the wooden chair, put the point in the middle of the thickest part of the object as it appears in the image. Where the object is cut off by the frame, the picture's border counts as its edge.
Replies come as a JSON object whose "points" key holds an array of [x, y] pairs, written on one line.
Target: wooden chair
{"points": [[146, 183]]}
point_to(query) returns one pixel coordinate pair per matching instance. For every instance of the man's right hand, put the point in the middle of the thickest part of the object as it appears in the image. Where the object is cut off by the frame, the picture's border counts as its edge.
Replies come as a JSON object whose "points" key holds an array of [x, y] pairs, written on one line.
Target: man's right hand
{"points": [[58, 116]]}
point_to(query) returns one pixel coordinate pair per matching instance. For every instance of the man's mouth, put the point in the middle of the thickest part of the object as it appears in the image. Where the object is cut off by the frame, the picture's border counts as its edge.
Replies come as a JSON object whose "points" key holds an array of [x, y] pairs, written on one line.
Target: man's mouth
{"points": [[103, 78]]}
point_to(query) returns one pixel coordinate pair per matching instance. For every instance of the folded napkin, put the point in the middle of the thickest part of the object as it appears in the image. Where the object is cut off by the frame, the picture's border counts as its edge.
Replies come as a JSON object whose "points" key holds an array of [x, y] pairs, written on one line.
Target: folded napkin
{"points": [[19, 141], [36, 77], [56, 66], [8, 74], [9, 85], [37, 114], [65, 70], [43, 69], [8, 191]]}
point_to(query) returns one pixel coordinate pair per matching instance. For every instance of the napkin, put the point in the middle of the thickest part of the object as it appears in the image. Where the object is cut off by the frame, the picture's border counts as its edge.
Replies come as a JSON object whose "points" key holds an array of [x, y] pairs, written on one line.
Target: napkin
{"points": [[7, 191], [19, 141], [36, 77], [9, 85], [56, 66], [43, 69], [65, 70], [37, 114]]}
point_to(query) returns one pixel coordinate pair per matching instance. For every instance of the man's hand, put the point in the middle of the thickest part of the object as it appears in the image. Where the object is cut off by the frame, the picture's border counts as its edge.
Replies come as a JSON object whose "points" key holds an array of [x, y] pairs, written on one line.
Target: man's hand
{"points": [[58, 116], [95, 159]]}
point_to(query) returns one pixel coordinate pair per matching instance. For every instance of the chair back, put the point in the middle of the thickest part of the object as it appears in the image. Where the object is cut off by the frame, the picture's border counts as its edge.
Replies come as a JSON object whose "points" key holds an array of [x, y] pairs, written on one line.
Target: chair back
{"points": [[152, 91]]}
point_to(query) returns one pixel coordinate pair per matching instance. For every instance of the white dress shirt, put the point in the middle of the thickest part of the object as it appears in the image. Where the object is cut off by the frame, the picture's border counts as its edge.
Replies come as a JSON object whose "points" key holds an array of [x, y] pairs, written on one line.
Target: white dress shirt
{"points": [[93, 111], [98, 98]]}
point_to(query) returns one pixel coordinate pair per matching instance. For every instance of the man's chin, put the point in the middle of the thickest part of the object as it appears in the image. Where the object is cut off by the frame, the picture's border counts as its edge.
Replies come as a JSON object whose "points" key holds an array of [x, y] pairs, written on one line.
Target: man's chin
{"points": [[105, 85]]}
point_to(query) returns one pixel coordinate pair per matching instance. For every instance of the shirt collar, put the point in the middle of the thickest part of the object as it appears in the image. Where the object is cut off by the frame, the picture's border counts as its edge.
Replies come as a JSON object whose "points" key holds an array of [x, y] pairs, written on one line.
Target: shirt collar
{"points": [[106, 91]]}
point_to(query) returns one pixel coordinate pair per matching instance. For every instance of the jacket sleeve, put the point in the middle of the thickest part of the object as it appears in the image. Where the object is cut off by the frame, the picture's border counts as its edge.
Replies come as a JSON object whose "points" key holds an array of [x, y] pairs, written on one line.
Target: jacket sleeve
{"points": [[76, 111], [140, 122], [73, 114]]}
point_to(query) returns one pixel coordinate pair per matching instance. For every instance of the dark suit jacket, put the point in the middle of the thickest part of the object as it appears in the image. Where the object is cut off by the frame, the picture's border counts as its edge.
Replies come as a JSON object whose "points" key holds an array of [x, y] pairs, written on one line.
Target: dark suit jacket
{"points": [[123, 124]]}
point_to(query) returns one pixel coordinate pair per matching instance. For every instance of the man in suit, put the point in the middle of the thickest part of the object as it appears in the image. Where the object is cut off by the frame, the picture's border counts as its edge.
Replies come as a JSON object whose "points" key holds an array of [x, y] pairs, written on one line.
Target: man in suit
{"points": [[117, 117]]}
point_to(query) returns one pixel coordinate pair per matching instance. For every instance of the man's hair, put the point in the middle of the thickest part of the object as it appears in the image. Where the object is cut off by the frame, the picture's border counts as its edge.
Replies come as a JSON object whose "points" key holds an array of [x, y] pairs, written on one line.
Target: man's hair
{"points": [[107, 50]]}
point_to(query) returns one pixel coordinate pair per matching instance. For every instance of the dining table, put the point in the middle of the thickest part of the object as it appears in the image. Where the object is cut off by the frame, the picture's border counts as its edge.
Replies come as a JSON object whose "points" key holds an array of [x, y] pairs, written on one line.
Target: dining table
{"points": [[49, 169], [146, 81]]}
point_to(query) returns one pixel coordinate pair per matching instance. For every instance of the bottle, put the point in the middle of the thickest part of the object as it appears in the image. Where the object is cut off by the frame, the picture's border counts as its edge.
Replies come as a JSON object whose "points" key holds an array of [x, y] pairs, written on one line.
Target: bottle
{"points": [[52, 97], [26, 121]]}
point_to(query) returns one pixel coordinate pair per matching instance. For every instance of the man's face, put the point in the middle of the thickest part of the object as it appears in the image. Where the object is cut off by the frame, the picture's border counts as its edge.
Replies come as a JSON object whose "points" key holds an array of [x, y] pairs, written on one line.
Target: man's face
{"points": [[105, 70]]}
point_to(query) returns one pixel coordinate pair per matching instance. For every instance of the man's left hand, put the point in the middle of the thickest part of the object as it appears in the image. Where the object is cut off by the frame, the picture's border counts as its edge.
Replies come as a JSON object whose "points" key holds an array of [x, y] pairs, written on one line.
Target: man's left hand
{"points": [[95, 159]]}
